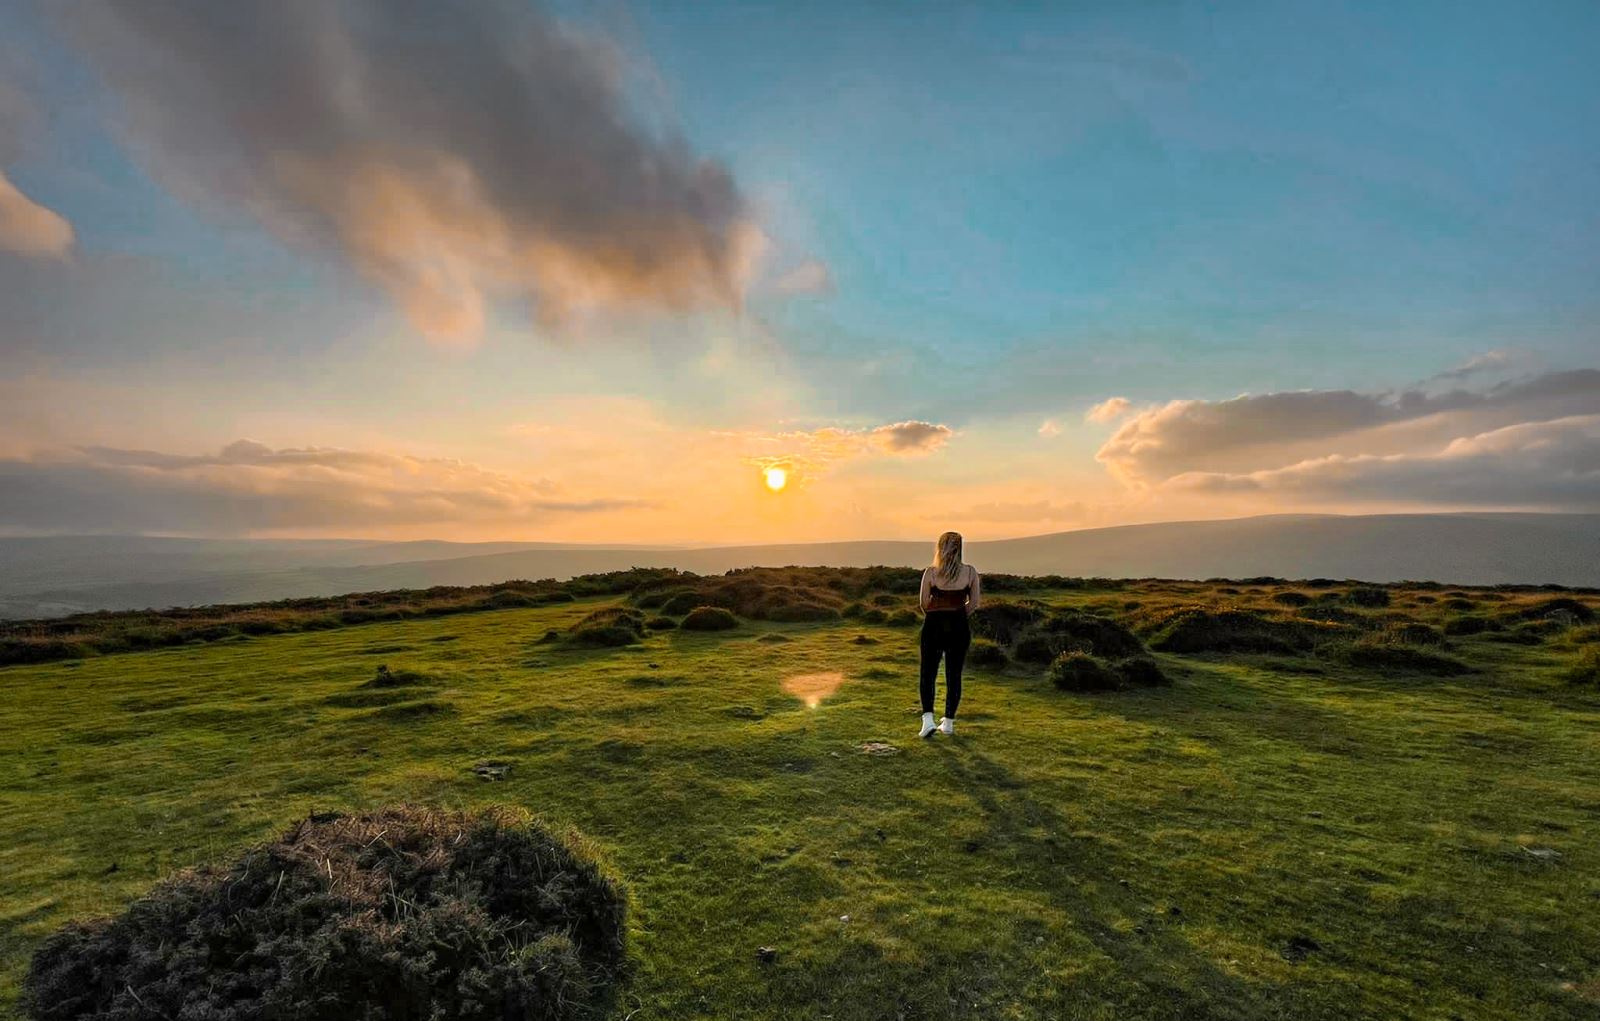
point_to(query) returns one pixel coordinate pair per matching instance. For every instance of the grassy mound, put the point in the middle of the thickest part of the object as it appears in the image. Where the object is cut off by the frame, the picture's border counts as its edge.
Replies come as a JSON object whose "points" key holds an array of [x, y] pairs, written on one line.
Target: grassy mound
{"points": [[1192, 629], [1582, 613], [709, 618], [1381, 654], [405, 913], [609, 626], [1003, 621], [985, 653], [1079, 671], [1369, 596]]}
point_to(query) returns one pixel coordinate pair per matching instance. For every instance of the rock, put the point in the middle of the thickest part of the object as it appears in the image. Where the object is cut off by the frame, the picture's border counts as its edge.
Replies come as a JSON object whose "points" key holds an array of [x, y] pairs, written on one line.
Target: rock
{"points": [[491, 770], [766, 955], [1543, 853], [878, 748]]}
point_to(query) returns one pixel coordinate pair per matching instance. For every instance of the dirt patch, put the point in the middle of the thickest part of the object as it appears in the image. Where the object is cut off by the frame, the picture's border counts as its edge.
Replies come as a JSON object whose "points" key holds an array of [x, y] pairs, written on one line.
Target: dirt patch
{"points": [[813, 688]]}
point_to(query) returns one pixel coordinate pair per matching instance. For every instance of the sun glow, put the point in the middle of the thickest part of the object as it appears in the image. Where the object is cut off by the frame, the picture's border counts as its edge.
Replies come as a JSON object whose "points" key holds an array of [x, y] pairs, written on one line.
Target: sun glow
{"points": [[777, 478]]}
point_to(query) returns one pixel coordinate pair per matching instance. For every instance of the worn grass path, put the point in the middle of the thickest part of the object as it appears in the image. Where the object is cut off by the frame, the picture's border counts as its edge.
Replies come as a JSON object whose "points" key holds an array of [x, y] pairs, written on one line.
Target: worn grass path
{"points": [[1152, 854]]}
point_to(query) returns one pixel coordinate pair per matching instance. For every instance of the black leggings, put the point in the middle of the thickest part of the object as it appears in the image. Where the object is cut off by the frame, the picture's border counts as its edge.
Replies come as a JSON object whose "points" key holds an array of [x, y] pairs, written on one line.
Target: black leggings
{"points": [[944, 633]]}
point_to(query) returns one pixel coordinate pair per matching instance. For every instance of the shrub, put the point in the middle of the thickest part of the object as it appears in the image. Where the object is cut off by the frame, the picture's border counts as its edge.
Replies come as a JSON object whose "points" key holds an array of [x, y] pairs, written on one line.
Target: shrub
{"points": [[1141, 672], [1413, 633], [1369, 596], [1197, 629], [1100, 635], [404, 913], [1291, 598], [1041, 646], [1580, 612], [1002, 620], [660, 624], [681, 603], [985, 653], [902, 618], [609, 627], [1471, 625], [709, 618], [1078, 671], [873, 616], [851, 610]]}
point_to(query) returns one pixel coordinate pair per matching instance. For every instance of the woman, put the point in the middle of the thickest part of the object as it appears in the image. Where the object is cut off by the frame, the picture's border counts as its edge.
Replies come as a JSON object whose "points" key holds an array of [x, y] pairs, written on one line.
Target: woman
{"points": [[949, 594]]}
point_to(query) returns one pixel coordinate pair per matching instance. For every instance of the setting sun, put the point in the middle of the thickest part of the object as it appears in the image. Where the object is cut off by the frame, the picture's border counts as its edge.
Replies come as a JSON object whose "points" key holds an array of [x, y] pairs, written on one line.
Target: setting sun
{"points": [[777, 478]]}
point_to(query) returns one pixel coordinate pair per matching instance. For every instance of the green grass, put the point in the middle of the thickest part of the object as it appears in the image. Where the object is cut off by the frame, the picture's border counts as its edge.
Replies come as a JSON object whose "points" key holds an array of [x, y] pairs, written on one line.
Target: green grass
{"points": [[1140, 854]]}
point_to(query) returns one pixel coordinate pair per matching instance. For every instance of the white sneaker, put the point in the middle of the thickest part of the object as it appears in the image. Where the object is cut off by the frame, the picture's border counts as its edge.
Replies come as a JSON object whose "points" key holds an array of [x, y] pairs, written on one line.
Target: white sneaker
{"points": [[928, 725], [947, 726]]}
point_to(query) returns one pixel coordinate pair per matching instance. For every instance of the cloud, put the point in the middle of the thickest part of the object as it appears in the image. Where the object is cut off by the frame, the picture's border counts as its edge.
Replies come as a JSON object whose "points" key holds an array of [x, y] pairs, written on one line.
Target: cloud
{"points": [[1246, 432], [1551, 465], [451, 154], [911, 437], [1488, 361], [28, 228], [1049, 428], [248, 487], [807, 454], [809, 277], [1108, 410]]}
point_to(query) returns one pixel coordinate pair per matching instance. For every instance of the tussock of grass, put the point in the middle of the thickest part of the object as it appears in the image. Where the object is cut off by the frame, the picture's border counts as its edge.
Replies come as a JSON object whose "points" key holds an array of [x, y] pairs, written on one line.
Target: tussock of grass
{"points": [[403, 913], [710, 618]]}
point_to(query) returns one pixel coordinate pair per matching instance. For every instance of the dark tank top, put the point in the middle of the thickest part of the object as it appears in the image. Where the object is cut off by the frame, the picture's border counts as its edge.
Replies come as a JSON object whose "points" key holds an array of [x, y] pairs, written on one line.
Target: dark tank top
{"points": [[947, 598]]}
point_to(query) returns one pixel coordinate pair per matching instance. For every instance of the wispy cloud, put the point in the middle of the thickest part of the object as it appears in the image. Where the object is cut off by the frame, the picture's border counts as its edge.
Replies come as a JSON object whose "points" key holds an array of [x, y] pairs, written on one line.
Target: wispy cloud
{"points": [[248, 487], [481, 149]]}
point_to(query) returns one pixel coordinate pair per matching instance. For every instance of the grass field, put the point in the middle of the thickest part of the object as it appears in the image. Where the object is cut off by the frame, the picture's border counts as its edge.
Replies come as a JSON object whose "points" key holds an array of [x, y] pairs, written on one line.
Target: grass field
{"points": [[1273, 836]]}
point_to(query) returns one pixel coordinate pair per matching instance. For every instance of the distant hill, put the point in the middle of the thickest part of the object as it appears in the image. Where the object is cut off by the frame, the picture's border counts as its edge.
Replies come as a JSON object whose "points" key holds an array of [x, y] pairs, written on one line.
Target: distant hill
{"points": [[58, 575]]}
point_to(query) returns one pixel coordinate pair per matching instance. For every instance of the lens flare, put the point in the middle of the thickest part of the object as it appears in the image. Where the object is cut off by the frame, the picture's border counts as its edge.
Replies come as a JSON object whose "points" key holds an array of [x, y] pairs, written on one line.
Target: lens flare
{"points": [[777, 478]]}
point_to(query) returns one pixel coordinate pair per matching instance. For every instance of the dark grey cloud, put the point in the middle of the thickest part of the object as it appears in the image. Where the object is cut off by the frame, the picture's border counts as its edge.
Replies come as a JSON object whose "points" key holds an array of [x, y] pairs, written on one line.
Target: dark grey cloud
{"points": [[248, 487], [449, 152]]}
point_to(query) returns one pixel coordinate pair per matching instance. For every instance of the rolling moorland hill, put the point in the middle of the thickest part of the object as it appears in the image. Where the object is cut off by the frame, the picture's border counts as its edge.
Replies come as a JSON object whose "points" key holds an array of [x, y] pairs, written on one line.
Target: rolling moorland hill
{"points": [[1164, 799], [61, 575]]}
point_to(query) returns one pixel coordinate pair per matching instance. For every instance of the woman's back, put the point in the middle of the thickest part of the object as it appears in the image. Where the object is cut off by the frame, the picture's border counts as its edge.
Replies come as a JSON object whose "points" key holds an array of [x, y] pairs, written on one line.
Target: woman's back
{"points": [[946, 594]]}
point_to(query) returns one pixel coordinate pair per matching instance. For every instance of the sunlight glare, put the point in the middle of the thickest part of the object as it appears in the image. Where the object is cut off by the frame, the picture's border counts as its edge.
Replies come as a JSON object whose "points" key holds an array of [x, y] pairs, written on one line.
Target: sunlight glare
{"points": [[777, 478]]}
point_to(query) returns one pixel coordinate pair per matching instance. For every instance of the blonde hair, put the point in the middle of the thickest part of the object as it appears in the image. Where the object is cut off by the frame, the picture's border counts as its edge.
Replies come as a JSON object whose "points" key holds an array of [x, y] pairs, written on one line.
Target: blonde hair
{"points": [[947, 556]]}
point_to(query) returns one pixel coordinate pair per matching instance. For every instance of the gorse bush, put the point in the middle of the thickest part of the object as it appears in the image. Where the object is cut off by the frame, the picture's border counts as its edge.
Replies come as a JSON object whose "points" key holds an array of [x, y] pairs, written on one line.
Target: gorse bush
{"points": [[405, 913]]}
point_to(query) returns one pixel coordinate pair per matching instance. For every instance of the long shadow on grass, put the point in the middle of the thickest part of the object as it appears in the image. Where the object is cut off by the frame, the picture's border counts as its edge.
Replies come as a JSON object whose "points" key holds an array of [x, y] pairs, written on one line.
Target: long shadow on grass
{"points": [[1171, 976]]}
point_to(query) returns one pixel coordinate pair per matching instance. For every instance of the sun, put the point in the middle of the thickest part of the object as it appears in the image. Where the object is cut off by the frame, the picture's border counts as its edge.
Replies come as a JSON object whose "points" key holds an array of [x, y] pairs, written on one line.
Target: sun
{"points": [[777, 478]]}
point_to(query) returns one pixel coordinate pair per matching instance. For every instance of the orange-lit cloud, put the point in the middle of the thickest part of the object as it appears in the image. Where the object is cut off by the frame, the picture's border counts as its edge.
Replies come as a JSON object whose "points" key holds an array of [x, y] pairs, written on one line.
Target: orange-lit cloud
{"points": [[28, 228], [1108, 410], [487, 151], [250, 488]]}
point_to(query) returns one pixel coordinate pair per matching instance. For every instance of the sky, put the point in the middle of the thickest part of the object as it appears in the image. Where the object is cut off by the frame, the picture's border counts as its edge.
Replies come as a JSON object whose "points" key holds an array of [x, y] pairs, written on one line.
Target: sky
{"points": [[589, 273]]}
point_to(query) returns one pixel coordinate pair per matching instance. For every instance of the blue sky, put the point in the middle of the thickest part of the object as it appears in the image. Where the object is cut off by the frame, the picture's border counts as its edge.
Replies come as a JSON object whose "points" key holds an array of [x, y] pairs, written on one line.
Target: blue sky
{"points": [[1022, 212]]}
